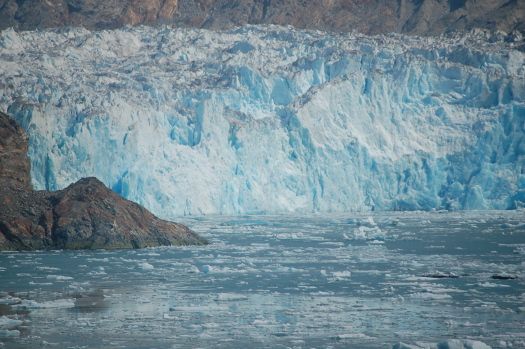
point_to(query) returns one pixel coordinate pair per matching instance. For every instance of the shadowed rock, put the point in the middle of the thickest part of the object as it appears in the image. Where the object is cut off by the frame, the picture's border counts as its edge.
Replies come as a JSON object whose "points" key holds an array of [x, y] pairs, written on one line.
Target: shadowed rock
{"points": [[85, 215]]}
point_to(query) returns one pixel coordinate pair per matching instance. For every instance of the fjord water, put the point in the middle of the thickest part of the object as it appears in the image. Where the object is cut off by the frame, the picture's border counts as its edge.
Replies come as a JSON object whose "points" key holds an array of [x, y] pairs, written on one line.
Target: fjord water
{"points": [[340, 281]]}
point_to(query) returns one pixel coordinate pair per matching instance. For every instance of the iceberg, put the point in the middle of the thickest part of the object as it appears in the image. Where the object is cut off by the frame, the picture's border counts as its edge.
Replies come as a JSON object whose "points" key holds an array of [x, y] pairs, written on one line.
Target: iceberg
{"points": [[267, 119]]}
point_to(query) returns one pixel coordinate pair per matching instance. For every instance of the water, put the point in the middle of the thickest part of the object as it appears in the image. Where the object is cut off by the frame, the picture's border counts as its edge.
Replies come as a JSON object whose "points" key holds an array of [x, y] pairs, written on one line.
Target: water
{"points": [[280, 282]]}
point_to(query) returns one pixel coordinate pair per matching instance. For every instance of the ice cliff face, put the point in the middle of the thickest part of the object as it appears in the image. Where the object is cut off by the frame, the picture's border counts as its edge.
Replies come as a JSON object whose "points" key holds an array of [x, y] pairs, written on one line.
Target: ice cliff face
{"points": [[269, 119]]}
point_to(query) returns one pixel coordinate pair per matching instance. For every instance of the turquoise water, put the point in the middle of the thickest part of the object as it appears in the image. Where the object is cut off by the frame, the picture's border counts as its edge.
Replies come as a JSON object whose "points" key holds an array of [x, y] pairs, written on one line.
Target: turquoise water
{"points": [[341, 281]]}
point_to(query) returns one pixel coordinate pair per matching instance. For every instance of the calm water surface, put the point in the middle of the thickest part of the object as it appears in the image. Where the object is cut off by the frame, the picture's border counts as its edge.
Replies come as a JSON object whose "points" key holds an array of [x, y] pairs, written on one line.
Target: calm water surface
{"points": [[356, 281]]}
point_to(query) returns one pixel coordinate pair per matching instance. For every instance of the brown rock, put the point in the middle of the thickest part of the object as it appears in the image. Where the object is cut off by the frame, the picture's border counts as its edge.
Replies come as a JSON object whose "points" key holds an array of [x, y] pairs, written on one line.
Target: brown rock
{"points": [[14, 164], [152, 11], [85, 215], [367, 16]]}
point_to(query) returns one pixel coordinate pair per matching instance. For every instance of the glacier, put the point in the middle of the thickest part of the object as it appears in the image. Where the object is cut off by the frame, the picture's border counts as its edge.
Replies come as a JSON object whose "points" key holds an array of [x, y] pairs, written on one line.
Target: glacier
{"points": [[268, 119]]}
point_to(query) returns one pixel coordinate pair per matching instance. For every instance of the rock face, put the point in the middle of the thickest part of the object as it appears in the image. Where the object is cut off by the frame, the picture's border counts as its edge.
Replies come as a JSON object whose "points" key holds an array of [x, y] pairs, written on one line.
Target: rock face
{"points": [[367, 16], [85, 215], [14, 165]]}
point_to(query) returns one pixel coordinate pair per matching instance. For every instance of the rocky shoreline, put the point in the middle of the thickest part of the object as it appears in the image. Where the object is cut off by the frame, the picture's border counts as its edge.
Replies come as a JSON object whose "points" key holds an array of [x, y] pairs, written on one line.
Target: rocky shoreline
{"points": [[85, 215]]}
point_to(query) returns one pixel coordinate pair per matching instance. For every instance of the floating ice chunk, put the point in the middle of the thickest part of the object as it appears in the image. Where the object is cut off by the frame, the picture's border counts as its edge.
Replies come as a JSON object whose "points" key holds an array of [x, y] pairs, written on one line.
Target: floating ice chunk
{"points": [[449, 344], [337, 275], [59, 303], [8, 324], [462, 344], [491, 285], [49, 344], [230, 297], [440, 275], [352, 336], [149, 253], [367, 230], [370, 221], [407, 346], [377, 242], [143, 300], [395, 222], [260, 322], [241, 268], [368, 233], [9, 300], [48, 268], [193, 270], [9, 333], [341, 275], [206, 268], [504, 276], [289, 236], [430, 296], [146, 266], [40, 283], [211, 325], [59, 277]]}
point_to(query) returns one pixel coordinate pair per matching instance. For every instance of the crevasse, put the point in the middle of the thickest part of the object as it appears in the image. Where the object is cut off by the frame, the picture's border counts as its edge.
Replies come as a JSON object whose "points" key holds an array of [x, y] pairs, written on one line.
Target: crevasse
{"points": [[271, 119]]}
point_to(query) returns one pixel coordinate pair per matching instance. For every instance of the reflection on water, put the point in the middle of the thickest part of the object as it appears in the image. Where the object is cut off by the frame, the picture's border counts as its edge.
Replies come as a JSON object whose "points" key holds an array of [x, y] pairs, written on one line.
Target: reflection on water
{"points": [[336, 281]]}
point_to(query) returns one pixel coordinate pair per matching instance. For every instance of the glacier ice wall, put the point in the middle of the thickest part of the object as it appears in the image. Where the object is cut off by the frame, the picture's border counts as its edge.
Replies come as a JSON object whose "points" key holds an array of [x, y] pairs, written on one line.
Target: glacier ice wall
{"points": [[270, 119]]}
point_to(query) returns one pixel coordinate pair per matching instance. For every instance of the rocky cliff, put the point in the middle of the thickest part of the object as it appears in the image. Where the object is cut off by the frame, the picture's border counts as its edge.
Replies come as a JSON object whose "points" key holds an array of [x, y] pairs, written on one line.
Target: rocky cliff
{"points": [[85, 215], [367, 16]]}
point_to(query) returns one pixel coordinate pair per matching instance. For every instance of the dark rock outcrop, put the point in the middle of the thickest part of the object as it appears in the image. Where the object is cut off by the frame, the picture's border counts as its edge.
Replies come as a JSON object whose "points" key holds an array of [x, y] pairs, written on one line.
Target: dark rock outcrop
{"points": [[367, 16], [85, 215], [14, 165]]}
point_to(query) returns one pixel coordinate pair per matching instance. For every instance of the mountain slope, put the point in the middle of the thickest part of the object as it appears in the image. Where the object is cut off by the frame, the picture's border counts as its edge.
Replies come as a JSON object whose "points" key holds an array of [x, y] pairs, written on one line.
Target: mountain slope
{"points": [[367, 16]]}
